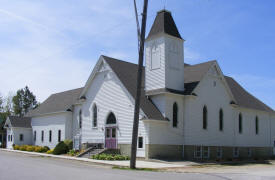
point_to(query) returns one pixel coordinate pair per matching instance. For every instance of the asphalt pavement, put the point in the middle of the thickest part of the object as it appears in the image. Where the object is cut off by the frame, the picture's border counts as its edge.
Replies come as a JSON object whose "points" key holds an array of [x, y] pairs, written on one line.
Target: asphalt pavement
{"points": [[18, 166]]}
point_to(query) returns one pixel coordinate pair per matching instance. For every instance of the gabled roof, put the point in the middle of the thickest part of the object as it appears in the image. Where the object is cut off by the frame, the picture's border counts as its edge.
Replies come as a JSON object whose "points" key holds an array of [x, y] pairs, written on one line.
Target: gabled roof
{"points": [[127, 73], [244, 98], [164, 23], [23, 122], [58, 102], [195, 73]]}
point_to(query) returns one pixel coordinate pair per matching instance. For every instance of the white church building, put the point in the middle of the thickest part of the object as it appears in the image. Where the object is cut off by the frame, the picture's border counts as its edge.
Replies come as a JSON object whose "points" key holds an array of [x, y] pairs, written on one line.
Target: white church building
{"points": [[187, 111]]}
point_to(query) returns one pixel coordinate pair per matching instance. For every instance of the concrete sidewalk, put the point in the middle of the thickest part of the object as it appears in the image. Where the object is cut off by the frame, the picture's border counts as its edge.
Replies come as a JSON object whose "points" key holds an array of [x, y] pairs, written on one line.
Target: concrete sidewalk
{"points": [[139, 163]]}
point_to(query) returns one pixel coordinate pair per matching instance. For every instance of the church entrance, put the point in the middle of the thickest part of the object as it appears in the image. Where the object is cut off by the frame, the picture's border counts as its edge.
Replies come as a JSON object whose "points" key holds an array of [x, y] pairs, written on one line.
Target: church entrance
{"points": [[111, 132], [110, 138]]}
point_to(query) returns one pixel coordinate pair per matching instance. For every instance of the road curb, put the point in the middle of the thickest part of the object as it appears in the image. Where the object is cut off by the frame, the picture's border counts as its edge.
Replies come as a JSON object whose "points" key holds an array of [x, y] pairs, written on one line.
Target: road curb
{"points": [[140, 164]]}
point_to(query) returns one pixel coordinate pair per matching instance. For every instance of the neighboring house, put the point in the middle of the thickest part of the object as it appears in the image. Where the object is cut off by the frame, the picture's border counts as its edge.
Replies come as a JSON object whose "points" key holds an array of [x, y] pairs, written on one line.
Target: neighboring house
{"points": [[19, 131], [2, 134], [187, 111]]}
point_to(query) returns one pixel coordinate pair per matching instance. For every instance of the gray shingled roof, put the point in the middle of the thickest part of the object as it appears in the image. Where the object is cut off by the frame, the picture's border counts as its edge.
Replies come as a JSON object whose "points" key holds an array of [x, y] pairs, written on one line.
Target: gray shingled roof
{"points": [[244, 98], [127, 73], [24, 122], [57, 102], [164, 23]]}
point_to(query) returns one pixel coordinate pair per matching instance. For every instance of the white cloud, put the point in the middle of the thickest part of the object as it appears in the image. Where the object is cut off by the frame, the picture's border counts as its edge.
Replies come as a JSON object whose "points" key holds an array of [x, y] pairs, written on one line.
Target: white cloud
{"points": [[42, 42]]}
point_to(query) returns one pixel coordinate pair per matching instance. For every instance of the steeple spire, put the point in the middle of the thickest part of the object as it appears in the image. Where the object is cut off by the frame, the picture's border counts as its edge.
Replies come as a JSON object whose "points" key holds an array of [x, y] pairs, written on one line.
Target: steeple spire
{"points": [[164, 23]]}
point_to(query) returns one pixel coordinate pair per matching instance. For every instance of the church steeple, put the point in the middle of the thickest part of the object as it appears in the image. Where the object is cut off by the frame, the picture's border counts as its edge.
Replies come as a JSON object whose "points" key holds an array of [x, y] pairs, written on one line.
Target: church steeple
{"points": [[164, 55], [164, 24]]}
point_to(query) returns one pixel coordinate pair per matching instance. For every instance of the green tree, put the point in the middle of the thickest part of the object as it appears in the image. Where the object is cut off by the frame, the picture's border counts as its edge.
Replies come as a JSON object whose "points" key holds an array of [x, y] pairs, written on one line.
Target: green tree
{"points": [[1, 104], [23, 101]]}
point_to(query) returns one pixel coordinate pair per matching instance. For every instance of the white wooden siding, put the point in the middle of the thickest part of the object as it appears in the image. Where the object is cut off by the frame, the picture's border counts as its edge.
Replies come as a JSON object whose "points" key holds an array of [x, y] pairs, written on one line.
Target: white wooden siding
{"points": [[110, 96], [215, 98], [53, 122], [15, 132]]}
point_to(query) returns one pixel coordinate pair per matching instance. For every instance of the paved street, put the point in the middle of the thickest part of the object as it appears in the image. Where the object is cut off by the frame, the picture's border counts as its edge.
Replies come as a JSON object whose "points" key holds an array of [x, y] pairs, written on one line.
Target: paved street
{"points": [[15, 166]]}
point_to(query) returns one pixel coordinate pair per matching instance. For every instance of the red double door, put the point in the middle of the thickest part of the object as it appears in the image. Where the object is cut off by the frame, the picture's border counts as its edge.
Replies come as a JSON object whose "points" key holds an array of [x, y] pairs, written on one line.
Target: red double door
{"points": [[110, 138]]}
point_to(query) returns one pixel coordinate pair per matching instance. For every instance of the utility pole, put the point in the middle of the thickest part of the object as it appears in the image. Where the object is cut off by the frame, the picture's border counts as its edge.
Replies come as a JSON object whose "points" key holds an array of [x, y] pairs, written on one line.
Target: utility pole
{"points": [[139, 78]]}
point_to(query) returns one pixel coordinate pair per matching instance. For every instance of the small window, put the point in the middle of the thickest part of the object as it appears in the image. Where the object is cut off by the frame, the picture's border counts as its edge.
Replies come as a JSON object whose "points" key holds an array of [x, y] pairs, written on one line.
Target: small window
{"points": [[140, 142], [95, 116], [113, 132], [107, 133], [9, 138], [34, 136], [249, 152], [204, 117], [206, 152], [214, 83], [257, 125], [240, 123], [80, 119], [219, 152], [59, 135], [50, 136], [21, 137], [198, 152], [175, 115], [221, 120], [236, 152], [42, 136]]}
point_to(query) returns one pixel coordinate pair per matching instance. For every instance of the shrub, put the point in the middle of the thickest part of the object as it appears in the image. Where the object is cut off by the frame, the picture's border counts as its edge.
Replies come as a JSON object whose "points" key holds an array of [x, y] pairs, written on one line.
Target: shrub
{"points": [[69, 143], [50, 151], [61, 148], [46, 148], [23, 148], [38, 149], [110, 157], [73, 152], [30, 148], [16, 147]]}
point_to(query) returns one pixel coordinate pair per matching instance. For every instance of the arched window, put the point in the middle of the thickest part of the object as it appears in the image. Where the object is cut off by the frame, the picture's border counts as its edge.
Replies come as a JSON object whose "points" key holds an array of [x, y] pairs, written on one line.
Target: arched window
{"points": [[221, 120], [204, 117], [175, 115], [257, 125], [240, 123], [111, 119], [95, 116], [80, 119]]}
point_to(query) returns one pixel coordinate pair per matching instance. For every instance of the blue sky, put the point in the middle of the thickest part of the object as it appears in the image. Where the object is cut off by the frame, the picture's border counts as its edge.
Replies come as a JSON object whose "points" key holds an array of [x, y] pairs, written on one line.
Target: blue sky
{"points": [[52, 46]]}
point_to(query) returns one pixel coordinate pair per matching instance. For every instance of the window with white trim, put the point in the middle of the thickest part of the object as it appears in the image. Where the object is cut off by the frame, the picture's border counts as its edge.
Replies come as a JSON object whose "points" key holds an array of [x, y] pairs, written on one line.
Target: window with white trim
{"points": [[206, 152], [140, 142], [219, 152], [249, 152], [95, 116], [21, 137], [80, 119], [198, 152], [236, 152]]}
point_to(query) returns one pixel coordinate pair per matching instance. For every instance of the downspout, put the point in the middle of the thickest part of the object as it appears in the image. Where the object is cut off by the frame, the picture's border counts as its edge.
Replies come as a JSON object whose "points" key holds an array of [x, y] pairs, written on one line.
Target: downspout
{"points": [[270, 134]]}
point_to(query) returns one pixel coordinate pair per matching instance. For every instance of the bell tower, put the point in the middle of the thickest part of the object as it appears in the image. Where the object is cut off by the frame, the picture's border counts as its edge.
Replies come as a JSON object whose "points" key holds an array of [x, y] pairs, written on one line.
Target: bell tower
{"points": [[164, 55]]}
